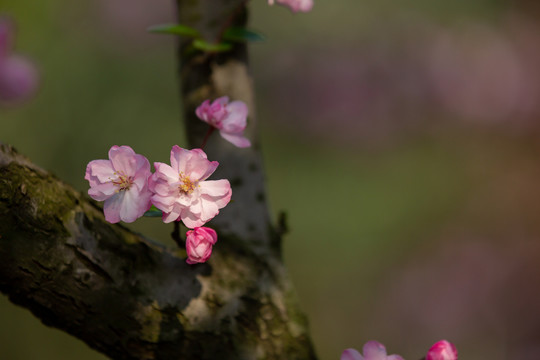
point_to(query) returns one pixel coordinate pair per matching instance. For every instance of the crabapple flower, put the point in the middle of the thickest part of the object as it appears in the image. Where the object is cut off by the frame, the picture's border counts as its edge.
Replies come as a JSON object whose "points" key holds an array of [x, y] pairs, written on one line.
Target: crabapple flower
{"points": [[199, 242], [182, 192], [442, 350], [295, 5], [122, 182], [229, 118], [18, 75], [373, 350]]}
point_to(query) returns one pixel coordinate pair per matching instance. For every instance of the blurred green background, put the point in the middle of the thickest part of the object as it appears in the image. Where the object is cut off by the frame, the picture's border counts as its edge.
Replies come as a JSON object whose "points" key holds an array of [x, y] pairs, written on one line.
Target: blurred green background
{"points": [[401, 138]]}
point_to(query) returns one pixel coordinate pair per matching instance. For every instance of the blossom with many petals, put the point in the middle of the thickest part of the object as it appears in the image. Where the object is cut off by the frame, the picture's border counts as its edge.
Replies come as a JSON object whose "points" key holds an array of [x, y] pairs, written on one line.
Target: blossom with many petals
{"points": [[442, 350], [373, 350], [199, 242], [181, 192], [229, 118], [18, 76], [122, 182], [295, 5]]}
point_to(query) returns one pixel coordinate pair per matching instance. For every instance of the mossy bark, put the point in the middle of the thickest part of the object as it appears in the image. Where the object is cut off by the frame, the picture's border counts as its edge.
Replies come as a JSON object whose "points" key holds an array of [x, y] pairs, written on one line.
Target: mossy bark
{"points": [[131, 298]]}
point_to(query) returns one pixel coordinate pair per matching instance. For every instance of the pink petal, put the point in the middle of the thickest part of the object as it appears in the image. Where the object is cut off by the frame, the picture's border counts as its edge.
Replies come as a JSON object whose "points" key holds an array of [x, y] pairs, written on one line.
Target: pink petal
{"points": [[165, 172], [222, 100], [195, 164], [170, 217], [123, 159], [236, 139], [112, 207], [236, 120], [99, 171], [209, 209], [219, 190], [101, 192], [179, 158], [191, 220], [374, 350], [163, 203], [351, 354], [394, 357]]}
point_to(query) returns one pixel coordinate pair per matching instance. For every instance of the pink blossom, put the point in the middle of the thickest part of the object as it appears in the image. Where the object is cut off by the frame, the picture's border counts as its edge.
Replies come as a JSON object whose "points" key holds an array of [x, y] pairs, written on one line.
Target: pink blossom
{"points": [[295, 5], [199, 242], [229, 118], [122, 182], [181, 192], [442, 350], [18, 75], [373, 350]]}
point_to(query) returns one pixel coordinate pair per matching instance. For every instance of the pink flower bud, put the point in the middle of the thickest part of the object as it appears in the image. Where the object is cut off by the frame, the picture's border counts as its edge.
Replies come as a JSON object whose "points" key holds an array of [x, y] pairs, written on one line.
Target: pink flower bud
{"points": [[199, 242], [442, 350]]}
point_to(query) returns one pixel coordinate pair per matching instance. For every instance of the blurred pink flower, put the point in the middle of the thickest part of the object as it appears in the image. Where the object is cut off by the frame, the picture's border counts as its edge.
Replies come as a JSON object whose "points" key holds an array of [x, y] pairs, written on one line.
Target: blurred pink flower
{"points": [[199, 242], [181, 192], [295, 5], [18, 76], [122, 182], [373, 350], [442, 350], [229, 118]]}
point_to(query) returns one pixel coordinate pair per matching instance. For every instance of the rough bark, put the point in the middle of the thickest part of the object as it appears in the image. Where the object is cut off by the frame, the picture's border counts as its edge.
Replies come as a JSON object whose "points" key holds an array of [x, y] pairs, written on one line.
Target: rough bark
{"points": [[131, 298]]}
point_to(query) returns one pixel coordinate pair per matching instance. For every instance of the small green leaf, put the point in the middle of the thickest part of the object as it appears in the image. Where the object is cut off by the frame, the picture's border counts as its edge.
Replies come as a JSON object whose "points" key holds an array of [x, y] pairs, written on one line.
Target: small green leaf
{"points": [[153, 212], [240, 34], [208, 47], [174, 29]]}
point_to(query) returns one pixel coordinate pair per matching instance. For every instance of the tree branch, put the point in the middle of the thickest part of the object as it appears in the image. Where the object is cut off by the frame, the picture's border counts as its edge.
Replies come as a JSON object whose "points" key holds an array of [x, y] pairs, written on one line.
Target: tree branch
{"points": [[131, 298]]}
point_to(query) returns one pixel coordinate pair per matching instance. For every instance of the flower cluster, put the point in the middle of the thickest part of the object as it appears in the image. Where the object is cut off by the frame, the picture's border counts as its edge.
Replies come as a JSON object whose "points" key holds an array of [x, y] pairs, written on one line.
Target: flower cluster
{"points": [[18, 76], [181, 190], [373, 350]]}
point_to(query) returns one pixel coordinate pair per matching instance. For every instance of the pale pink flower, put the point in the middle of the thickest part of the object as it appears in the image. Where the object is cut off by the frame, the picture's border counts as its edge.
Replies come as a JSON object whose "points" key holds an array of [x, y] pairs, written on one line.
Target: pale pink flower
{"points": [[229, 118], [373, 350], [122, 182], [181, 192], [199, 242], [18, 75], [442, 350], [295, 5]]}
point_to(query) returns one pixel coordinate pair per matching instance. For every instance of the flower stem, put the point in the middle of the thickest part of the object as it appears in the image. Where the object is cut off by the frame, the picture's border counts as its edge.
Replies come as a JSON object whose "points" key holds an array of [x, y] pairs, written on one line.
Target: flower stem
{"points": [[208, 133], [177, 237]]}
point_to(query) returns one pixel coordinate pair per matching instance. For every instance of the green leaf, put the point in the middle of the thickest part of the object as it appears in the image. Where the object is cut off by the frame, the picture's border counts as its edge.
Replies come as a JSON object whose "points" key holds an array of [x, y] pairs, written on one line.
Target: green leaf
{"points": [[208, 47], [174, 29], [153, 212], [240, 34]]}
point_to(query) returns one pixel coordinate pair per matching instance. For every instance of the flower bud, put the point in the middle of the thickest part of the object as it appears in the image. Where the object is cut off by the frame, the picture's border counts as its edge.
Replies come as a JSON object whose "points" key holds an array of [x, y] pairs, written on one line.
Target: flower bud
{"points": [[199, 242], [442, 350]]}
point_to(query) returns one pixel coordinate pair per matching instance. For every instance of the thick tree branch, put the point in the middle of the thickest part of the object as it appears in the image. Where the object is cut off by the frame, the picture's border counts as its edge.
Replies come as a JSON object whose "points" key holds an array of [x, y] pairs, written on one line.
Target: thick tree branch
{"points": [[131, 298]]}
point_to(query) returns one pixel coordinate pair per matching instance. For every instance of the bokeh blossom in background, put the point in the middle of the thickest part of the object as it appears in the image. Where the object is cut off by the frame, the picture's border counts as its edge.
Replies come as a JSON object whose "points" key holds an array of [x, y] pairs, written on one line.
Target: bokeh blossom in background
{"points": [[372, 350], [442, 350], [230, 118], [295, 5], [18, 75]]}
